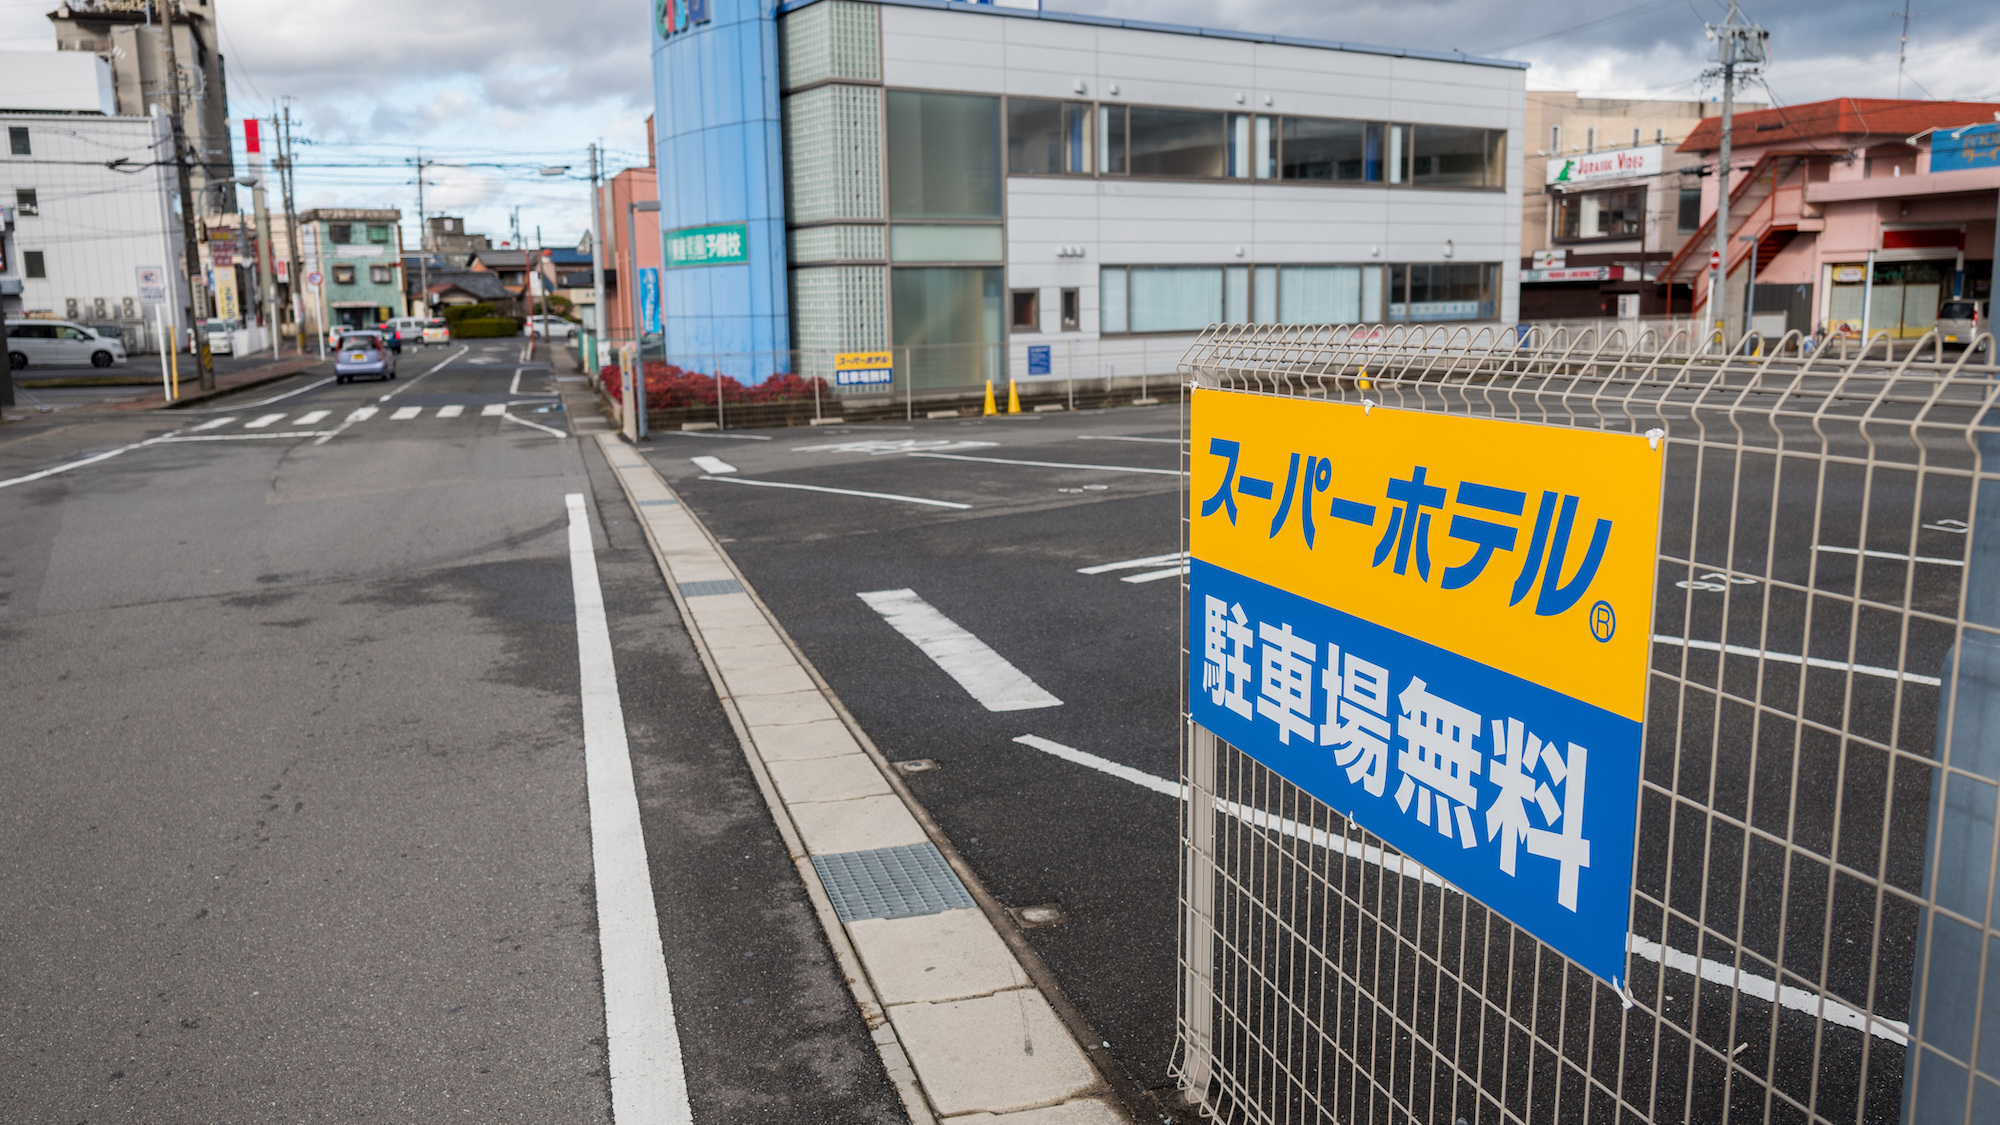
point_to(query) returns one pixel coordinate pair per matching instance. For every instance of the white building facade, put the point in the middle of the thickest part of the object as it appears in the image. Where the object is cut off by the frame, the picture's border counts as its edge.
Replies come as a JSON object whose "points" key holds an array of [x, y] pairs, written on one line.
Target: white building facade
{"points": [[994, 192], [96, 239]]}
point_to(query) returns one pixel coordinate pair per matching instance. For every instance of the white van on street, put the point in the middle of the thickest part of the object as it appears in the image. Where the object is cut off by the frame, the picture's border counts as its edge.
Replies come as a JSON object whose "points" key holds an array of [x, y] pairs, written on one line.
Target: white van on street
{"points": [[59, 343]]}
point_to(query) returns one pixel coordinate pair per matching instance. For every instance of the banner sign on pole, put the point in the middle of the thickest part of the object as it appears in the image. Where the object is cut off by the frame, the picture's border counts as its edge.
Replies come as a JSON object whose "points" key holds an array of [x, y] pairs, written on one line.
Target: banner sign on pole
{"points": [[857, 369], [1440, 626], [649, 299]]}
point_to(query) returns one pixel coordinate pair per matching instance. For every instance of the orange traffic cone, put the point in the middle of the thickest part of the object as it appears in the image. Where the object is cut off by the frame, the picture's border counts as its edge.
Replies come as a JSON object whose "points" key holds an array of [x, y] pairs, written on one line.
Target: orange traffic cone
{"points": [[990, 408], [1013, 398]]}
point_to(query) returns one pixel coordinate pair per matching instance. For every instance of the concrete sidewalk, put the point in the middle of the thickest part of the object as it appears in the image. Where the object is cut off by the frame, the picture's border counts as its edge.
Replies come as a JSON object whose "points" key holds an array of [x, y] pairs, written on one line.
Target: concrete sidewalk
{"points": [[964, 1031]]}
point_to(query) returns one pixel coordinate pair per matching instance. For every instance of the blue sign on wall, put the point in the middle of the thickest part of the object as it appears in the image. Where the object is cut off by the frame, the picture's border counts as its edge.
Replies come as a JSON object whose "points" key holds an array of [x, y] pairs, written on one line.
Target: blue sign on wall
{"points": [[1966, 148], [649, 300], [1038, 359]]}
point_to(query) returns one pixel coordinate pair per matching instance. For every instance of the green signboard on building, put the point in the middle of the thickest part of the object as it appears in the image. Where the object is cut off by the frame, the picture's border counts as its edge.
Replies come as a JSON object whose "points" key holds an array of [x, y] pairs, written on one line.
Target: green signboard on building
{"points": [[727, 244]]}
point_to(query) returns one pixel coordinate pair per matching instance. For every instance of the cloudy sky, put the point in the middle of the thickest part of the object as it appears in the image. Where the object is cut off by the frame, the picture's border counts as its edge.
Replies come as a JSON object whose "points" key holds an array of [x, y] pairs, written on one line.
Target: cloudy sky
{"points": [[497, 89]]}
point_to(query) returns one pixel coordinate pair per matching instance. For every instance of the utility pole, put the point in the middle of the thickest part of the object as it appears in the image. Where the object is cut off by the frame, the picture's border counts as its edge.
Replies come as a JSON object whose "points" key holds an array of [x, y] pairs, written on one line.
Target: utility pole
{"points": [[1902, 46], [197, 306], [253, 144], [423, 242], [598, 310], [298, 281], [1738, 46]]}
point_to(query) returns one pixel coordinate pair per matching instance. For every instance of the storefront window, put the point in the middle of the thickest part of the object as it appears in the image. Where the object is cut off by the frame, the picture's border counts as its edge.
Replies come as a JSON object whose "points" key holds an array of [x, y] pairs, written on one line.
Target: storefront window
{"points": [[949, 319], [1443, 291], [1177, 142], [1601, 214], [944, 156]]}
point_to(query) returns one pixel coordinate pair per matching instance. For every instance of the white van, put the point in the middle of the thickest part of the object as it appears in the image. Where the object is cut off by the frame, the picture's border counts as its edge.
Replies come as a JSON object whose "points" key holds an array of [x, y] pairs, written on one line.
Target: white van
{"points": [[408, 329], [59, 343]]}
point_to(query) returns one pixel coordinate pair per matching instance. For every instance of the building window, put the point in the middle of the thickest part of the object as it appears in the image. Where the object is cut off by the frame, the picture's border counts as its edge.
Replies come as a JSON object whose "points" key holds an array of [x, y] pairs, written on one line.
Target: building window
{"points": [[1448, 156], [1253, 151], [944, 156], [1590, 139], [1175, 298], [33, 264], [1635, 138], [1659, 136], [1689, 219], [378, 233], [1235, 294], [949, 320], [340, 233], [17, 140], [382, 275], [1072, 309], [1177, 142], [1322, 149], [1048, 138], [1329, 294], [1111, 299], [955, 243], [1443, 291], [1555, 138], [1111, 139], [24, 201], [1027, 310], [343, 275], [1600, 214]]}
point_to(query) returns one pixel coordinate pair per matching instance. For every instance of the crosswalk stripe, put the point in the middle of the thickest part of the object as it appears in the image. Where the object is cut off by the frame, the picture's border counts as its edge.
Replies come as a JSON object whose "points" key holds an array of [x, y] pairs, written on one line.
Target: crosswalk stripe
{"points": [[309, 417], [211, 424], [493, 410], [405, 413], [362, 414], [260, 423], [452, 411]]}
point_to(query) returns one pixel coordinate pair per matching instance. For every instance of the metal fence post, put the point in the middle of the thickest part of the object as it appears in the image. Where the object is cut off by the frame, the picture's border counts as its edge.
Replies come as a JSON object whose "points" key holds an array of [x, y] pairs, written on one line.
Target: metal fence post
{"points": [[1198, 919], [1949, 993]]}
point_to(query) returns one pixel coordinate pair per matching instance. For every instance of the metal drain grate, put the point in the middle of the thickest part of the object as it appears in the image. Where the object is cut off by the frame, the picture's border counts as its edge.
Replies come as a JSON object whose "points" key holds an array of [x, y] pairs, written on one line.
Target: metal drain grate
{"points": [[901, 882], [716, 586], [669, 502]]}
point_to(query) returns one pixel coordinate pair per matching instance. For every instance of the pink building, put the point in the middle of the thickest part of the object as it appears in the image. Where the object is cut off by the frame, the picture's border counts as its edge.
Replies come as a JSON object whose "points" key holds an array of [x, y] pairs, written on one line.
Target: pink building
{"points": [[1824, 195]]}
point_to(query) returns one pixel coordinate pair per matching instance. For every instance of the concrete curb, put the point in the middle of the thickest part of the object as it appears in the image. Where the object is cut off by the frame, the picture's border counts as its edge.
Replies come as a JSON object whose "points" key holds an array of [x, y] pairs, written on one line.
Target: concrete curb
{"points": [[256, 377], [956, 1009]]}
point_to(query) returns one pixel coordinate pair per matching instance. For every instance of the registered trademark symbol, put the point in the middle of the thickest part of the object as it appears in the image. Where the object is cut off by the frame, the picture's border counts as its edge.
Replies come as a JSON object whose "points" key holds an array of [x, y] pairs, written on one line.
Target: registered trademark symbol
{"points": [[1603, 622]]}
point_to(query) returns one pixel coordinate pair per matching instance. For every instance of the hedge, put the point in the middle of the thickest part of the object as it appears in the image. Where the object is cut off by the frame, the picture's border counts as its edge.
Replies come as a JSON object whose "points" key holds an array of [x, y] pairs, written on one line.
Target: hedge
{"points": [[455, 313], [669, 386], [485, 326]]}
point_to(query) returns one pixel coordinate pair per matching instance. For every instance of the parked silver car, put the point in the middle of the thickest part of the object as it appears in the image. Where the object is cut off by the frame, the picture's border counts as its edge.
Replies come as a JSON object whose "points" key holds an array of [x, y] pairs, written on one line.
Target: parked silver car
{"points": [[1959, 321], [363, 353], [59, 343]]}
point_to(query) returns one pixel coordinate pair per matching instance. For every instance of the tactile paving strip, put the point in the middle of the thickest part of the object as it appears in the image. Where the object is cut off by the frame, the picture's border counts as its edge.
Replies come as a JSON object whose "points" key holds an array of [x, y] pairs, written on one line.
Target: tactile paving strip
{"points": [[669, 502], [716, 586], [900, 882]]}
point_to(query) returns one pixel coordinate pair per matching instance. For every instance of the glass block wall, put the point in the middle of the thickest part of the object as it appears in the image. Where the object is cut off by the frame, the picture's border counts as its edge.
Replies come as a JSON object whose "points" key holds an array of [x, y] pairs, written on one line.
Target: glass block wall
{"points": [[833, 153], [836, 244], [837, 40], [837, 309]]}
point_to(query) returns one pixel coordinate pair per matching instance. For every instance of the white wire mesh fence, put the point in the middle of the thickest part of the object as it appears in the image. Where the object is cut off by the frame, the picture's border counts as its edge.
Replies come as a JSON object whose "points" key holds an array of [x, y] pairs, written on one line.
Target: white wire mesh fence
{"points": [[1820, 783]]}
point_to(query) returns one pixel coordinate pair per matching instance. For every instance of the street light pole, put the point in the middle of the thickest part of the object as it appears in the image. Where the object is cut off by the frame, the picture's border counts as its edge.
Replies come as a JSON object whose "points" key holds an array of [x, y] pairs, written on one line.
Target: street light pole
{"points": [[598, 311]]}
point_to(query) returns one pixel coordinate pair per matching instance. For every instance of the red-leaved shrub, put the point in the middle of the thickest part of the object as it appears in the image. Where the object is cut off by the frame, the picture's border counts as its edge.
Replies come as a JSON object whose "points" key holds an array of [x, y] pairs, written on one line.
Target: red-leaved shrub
{"points": [[668, 386]]}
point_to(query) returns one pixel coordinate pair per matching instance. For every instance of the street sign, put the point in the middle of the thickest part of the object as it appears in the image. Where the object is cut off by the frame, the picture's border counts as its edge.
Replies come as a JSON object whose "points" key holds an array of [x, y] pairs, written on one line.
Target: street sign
{"points": [[152, 283], [1038, 359], [857, 369], [1715, 259], [313, 279], [1440, 626], [723, 245]]}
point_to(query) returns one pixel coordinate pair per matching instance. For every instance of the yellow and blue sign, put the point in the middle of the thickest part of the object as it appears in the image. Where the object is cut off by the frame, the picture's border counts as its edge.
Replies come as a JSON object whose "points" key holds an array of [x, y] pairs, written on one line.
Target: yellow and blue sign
{"points": [[1966, 148], [1440, 626], [860, 369]]}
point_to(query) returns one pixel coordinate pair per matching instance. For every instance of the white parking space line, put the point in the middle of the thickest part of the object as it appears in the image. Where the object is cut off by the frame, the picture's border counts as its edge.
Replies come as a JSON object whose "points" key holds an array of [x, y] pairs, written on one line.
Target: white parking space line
{"points": [[452, 411], [261, 422], [1053, 464], [1133, 564], [1792, 658], [212, 424], [712, 465], [839, 491], [533, 425], [1120, 437], [493, 410], [1715, 972], [514, 387], [1156, 575], [643, 1045], [309, 417], [1894, 555], [983, 673], [405, 413]]}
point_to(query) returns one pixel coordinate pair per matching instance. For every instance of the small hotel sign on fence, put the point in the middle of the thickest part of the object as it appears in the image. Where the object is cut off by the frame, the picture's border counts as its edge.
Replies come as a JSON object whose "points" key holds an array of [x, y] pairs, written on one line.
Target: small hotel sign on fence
{"points": [[723, 245]]}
